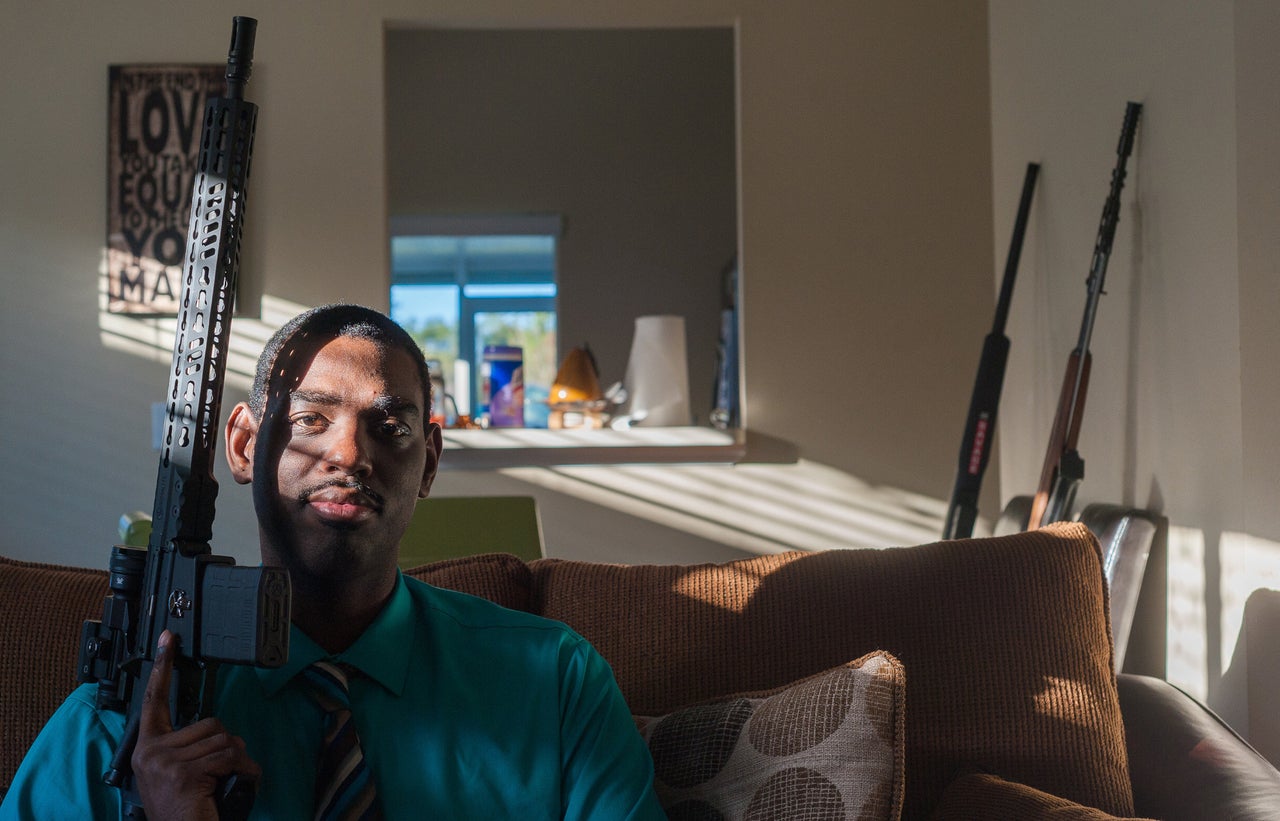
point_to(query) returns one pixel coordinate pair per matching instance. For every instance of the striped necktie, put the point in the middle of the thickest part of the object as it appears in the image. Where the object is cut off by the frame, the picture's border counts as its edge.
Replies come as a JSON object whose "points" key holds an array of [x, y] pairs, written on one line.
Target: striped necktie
{"points": [[344, 783]]}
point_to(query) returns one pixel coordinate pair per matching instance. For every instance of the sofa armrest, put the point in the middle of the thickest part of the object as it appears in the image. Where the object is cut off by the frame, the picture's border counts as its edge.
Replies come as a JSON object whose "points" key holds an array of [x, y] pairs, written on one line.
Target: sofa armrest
{"points": [[1186, 763]]}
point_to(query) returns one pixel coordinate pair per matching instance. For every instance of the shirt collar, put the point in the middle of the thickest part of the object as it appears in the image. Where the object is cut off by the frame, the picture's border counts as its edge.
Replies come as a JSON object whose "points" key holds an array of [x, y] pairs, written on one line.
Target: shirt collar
{"points": [[381, 652]]}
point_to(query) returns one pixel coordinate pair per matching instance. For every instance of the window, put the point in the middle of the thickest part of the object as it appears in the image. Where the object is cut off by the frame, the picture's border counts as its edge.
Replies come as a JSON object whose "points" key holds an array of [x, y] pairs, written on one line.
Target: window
{"points": [[459, 285]]}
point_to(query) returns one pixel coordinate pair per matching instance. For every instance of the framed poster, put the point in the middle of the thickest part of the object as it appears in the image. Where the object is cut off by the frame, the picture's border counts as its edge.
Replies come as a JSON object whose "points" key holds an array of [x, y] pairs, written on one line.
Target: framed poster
{"points": [[155, 121]]}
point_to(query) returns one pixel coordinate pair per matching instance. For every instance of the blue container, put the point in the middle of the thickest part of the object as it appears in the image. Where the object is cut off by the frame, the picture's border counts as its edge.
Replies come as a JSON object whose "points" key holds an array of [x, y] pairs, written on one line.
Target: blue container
{"points": [[502, 386]]}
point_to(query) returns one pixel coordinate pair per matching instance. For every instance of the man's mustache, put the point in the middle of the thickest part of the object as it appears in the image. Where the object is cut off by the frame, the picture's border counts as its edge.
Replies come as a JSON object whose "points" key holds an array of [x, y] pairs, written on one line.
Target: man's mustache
{"points": [[348, 483]]}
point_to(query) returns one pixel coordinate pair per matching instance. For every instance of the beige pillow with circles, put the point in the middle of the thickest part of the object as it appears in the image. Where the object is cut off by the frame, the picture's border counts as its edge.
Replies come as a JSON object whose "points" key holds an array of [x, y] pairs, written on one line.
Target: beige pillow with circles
{"points": [[826, 747]]}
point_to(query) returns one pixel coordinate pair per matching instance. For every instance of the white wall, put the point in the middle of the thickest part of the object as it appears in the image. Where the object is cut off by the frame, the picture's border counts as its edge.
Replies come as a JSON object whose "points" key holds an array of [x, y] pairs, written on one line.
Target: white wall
{"points": [[1178, 416]]}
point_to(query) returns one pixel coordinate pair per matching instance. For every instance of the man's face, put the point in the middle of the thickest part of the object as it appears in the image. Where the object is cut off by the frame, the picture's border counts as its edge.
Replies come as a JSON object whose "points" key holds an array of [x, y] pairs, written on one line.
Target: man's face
{"points": [[357, 452]]}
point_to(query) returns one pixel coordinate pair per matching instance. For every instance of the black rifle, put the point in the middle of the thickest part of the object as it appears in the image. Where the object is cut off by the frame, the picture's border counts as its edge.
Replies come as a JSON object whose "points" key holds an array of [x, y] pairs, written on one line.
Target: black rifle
{"points": [[1063, 468], [980, 426], [217, 611]]}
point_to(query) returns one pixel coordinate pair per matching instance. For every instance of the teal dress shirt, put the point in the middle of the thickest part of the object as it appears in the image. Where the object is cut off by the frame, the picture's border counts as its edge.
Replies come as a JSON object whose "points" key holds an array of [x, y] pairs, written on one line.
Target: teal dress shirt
{"points": [[465, 710]]}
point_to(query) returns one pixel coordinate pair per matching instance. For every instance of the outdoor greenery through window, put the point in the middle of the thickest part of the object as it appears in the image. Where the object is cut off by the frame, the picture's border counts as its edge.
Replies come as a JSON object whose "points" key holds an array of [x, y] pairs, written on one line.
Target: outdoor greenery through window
{"points": [[457, 294]]}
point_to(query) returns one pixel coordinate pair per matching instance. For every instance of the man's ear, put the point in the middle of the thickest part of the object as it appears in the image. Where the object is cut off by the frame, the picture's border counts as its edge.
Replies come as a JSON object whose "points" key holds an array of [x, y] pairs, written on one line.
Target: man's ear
{"points": [[435, 444], [241, 437]]}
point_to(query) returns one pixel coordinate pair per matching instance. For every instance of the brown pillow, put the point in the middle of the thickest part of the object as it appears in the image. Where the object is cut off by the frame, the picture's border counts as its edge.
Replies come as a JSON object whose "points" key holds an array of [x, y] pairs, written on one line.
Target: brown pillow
{"points": [[991, 798], [44, 608], [498, 577], [827, 747], [1007, 640]]}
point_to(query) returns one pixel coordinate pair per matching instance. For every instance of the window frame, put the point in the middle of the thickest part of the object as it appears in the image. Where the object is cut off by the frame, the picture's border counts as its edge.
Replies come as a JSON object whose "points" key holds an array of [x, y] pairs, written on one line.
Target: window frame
{"points": [[478, 225]]}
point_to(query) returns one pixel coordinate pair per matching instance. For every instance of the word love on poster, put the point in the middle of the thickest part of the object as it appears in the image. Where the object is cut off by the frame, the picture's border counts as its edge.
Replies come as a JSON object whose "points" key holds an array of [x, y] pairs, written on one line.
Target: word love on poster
{"points": [[155, 119]]}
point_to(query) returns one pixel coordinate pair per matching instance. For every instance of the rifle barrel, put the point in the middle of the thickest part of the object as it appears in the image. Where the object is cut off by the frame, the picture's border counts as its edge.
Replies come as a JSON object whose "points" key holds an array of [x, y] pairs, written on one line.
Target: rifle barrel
{"points": [[975, 445], [1063, 469], [188, 590]]}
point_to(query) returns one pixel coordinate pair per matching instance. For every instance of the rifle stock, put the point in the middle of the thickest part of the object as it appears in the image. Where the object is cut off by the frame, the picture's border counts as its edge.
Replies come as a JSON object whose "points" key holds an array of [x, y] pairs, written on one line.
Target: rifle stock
{"points": [[1058, 485], [218, 612], [1063, 467]]}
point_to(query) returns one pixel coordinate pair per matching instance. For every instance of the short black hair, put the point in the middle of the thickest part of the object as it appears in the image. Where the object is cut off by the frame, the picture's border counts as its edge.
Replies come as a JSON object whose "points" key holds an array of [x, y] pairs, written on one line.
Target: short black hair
{"points": [[331, 322]]}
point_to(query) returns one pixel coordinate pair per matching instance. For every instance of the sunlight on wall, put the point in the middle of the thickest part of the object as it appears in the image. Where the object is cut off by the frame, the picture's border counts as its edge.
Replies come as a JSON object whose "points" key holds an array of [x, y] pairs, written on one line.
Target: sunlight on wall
{"points": [[1248, 563], [151, 337], [758, 508], [1187, 645]]}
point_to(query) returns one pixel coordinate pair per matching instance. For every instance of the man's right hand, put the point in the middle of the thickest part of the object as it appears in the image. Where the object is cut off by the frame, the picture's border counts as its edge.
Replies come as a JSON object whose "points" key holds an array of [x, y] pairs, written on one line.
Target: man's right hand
{"points": [[178, 771]]}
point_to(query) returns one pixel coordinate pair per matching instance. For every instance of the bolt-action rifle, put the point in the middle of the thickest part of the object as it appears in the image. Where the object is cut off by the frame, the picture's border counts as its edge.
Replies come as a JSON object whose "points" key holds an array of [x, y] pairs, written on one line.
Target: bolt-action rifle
{"points": [[1063, 467], [219, 613], [980, 426]]}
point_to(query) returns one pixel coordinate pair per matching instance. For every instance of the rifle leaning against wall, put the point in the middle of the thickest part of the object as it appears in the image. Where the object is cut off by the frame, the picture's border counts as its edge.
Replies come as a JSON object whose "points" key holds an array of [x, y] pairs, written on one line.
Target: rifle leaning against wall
{"points": [[1063, 467], [218, 612], [980, 426]]}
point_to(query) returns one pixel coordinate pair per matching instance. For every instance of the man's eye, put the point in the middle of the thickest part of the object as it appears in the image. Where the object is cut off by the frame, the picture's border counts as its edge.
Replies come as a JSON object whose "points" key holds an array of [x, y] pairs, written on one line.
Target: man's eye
{"points": [[394, 428], [307, 421]]}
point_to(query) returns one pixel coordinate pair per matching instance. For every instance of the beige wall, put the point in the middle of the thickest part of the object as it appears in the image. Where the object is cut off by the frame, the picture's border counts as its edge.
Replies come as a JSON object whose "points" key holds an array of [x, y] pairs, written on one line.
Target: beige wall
{"points": [[865, 225], [1250, 599], [1257, 64], [1179, 413], [629, 135]]}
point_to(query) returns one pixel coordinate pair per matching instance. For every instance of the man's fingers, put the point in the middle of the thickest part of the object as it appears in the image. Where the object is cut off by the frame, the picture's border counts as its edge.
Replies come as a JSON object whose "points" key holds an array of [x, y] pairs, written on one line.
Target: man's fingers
{"points": [[218, 754], [186, 768], [155, 719], [179, 771], [206, 737]]}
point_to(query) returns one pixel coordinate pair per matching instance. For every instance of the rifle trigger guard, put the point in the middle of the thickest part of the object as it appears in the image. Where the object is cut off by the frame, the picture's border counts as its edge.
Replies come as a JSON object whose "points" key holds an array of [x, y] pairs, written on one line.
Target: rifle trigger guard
{"points": [[179, 603]]}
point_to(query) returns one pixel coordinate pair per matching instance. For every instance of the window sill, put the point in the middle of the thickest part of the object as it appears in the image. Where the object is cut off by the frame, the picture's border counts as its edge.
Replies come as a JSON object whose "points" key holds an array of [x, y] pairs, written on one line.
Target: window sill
{"points": [[529, 447]]}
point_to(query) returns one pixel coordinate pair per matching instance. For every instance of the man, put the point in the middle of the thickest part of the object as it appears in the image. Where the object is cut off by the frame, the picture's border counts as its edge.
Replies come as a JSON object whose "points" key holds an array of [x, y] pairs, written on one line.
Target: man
{"points": [[462, 709]]}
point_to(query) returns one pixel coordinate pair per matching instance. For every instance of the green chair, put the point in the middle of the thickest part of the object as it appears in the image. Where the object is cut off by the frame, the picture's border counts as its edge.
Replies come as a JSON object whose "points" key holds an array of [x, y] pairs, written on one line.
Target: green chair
{"points": [[442, 527], [446, 527]]}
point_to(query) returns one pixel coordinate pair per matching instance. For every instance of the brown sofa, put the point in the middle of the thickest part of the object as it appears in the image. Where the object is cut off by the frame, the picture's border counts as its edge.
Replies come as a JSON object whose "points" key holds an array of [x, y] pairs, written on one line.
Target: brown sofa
{"points": [[1010, 707]]}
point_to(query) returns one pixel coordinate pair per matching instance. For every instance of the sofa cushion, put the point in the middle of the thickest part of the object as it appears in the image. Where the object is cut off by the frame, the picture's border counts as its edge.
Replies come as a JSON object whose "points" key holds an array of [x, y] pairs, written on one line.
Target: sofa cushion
{"points": [[828, 746], [44, 608], [991, 798], [498, 577], [1006, 642]]}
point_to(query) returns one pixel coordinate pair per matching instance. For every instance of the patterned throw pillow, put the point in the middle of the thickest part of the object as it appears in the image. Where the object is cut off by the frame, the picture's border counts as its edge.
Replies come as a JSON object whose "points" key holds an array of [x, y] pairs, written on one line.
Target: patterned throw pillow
{"points": [[827, 747]]}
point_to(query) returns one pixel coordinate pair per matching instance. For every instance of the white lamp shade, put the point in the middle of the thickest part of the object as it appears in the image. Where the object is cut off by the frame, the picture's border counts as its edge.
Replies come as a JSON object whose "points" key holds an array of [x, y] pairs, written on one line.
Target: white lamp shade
{"points": [[657, 379]]}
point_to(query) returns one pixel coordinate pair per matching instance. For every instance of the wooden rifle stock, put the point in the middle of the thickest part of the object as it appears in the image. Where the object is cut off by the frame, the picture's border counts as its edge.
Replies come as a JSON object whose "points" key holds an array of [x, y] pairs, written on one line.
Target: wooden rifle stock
{"points": [[1063, 468]]}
